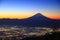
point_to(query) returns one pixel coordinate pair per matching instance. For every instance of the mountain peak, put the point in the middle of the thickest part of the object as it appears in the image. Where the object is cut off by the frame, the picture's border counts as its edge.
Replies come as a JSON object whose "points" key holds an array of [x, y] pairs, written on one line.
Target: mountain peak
{"points": [[38, 14]]}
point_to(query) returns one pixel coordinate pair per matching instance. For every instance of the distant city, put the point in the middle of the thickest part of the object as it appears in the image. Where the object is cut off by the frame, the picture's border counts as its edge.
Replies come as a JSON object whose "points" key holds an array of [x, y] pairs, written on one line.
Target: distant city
{"points": [[7, 32]]}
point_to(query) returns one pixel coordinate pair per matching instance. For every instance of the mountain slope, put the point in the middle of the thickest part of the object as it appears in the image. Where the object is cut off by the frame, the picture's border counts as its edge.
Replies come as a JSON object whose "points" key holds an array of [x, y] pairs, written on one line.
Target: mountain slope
{"points": [[40, 20], [37, 20]]}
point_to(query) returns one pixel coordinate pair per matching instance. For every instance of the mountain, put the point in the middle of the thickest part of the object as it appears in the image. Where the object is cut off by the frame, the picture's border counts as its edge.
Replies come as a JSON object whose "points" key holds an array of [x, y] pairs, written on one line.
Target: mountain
{"points": [[38, 20]]}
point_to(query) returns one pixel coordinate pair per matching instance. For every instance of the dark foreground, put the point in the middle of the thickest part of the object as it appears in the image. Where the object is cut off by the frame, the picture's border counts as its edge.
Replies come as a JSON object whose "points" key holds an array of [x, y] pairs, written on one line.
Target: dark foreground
{"points": [[53, 36]]}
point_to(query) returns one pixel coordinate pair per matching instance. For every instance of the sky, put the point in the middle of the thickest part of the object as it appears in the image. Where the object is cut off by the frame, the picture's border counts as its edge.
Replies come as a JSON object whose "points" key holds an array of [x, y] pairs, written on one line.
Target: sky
{"points": [[25, 8]]}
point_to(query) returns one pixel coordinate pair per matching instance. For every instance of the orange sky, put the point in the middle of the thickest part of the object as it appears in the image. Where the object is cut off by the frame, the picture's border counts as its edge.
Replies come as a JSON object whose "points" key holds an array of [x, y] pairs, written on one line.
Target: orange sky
{"points": [[54, 16], [21, 15]]}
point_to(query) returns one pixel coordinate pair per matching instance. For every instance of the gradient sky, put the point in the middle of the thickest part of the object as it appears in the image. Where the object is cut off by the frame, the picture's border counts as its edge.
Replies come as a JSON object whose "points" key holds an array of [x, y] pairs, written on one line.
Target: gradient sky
{"points": [[26, 8]]}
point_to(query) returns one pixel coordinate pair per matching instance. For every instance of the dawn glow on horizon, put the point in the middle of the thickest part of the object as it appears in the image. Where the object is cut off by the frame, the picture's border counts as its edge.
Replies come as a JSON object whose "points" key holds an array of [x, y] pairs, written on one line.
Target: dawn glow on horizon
{"points": [[27, 8]]}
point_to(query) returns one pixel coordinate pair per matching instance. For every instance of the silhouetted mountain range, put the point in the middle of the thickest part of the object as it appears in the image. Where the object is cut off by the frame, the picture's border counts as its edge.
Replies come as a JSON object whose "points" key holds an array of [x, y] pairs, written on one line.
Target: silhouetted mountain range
{"points": [[37, 20]]}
